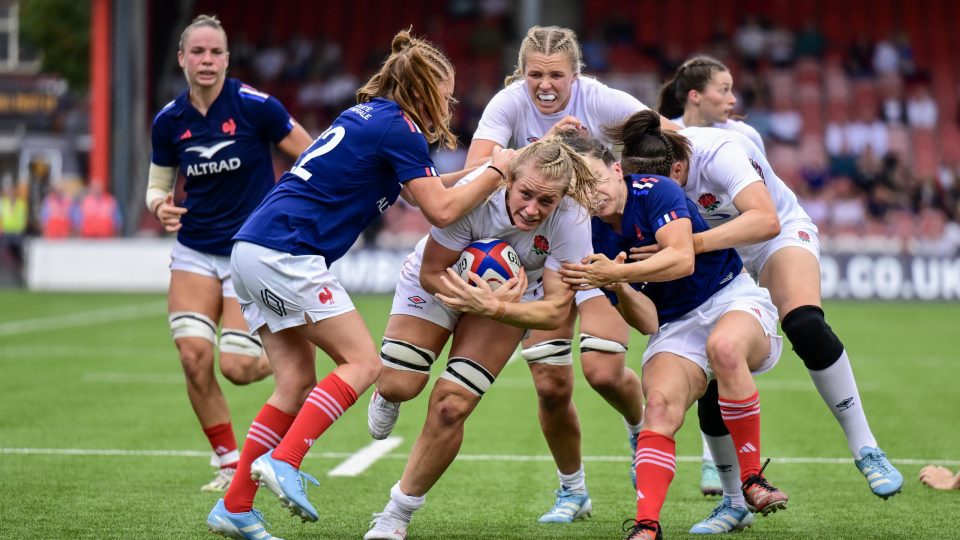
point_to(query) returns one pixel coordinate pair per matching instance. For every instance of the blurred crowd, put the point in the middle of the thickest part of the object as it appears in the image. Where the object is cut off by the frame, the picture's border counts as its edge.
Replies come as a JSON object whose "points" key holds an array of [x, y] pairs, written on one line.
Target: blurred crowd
{"points": [[866, 132], [856, 131]]}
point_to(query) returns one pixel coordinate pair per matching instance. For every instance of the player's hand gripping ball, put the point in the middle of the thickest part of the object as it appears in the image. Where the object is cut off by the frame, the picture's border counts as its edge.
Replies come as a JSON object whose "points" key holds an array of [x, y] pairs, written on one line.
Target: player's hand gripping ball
{"points": [[494, 260]]}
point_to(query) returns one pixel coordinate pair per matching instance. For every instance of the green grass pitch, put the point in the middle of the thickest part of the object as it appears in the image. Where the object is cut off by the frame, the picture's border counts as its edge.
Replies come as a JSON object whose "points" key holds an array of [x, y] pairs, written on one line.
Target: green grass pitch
{"points": [[98, 373]]}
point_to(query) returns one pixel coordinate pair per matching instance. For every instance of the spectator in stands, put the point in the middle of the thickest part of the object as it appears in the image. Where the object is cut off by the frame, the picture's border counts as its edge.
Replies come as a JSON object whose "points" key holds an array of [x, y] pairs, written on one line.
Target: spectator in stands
{"points": [[786, 123], [780, 47], [99, 215], [893, 109], [13, 220], [886, 58], [269, 60], [810, 42], [750, 40], [847, 209], [57, 213], [858, 62], [922, 111], [939, 477], [937, 237]]}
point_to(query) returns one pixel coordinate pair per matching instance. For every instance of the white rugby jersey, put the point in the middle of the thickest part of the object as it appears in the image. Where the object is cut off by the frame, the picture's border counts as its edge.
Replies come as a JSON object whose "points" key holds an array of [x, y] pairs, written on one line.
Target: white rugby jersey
{"points": [[737, 126], [723, 163], [563, 237], [511, 119]]}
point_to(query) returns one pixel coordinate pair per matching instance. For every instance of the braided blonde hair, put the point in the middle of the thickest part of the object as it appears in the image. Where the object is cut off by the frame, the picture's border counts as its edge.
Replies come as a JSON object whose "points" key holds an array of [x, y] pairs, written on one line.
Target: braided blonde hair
{"points": [[547, 40], [557, 162]]}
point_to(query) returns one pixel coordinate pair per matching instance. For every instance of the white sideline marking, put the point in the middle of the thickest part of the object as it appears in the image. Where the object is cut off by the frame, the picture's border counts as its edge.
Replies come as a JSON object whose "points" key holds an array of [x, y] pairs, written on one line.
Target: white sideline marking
{"points": [[365, 457], [462, 457], [84, 318], [133, 378]]}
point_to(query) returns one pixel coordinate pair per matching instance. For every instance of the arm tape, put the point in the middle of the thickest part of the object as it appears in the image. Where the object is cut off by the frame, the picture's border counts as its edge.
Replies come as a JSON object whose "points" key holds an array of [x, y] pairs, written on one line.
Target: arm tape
{"points": [[160, 183]]}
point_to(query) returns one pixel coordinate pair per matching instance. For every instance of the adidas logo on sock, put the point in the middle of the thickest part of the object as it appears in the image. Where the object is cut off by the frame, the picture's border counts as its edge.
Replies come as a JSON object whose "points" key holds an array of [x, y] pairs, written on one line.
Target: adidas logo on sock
{"points": [[309, 442], [640, 495], [747, 448]]}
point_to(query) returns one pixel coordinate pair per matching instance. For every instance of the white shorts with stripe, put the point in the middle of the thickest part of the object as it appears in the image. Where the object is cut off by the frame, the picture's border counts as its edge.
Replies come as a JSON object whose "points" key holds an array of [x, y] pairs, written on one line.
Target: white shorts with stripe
{"points": [[281, 290], [687, 336], [197, 262], [800, 233]]}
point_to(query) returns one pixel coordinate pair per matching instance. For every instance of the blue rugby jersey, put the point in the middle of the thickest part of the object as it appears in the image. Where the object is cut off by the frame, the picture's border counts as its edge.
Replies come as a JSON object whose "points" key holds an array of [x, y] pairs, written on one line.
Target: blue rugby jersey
{"points": [[350, 175], [225, 158], [652, 202]]}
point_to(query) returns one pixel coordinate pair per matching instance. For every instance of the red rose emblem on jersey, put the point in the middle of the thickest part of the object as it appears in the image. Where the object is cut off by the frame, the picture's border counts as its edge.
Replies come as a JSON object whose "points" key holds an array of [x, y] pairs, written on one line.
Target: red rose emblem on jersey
{"points": [[540, 245], [708, 201], [804, 236]]}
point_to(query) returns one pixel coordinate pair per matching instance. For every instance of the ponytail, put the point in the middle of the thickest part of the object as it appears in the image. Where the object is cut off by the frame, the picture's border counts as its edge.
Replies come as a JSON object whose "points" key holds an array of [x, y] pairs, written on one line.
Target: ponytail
{"points": [[646, 147]]}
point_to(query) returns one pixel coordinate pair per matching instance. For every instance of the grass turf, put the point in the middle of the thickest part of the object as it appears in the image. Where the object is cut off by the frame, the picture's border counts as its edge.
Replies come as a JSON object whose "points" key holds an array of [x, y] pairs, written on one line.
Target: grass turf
{"points": [[99, 372]]}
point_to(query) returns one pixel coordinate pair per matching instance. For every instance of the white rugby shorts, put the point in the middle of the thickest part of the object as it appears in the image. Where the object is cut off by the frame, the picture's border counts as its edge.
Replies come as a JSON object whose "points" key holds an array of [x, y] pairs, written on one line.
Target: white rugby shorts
{"points": [[205, 264], [796, 233], [279, 289], [687, 336]]}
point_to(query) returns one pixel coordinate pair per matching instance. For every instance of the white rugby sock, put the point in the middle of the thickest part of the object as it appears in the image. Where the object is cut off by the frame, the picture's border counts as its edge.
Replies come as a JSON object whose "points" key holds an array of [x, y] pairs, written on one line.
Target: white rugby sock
{"points": [[838, 388], [633, 429], [403, 505], [707, 456], [574, 483], [725, 456]]}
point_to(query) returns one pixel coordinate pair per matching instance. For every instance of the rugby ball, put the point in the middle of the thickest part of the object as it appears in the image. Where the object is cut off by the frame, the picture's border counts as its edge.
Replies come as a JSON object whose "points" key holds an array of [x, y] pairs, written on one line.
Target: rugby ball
{"points": [[494, 260]]}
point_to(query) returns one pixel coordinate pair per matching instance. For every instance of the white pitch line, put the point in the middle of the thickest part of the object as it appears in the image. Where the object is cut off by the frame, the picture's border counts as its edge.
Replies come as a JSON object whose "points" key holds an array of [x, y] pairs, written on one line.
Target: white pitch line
{"points": [[365, 457], [84, 318], [461, 457]]}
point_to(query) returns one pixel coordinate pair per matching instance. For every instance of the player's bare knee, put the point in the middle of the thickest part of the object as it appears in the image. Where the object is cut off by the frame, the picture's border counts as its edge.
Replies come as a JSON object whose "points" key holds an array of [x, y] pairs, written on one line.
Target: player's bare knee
{"points": [[473, 379], [723, 354], [240, 369], [197, 362], [602, 360], [366, 369], [399, 386], [554, 393], [452, 409], [660, 414], [604, 377]]}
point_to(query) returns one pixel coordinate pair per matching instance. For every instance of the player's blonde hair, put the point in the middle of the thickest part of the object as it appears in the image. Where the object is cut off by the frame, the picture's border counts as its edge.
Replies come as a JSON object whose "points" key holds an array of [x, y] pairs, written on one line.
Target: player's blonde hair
{"points": [[547, 40], [209, 21], [646, 147], [412, 76], [557, 162]]}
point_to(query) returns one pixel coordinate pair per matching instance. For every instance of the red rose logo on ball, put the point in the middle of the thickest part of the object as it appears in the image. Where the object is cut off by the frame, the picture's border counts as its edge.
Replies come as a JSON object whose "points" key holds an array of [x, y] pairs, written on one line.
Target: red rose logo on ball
{"points": [[540, 245]]}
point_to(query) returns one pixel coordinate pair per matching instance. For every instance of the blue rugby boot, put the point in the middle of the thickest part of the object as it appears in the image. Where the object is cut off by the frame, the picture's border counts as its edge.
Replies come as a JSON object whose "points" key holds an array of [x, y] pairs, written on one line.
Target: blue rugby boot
{"points": [[239, 526], [568, 508], [884, 479], [285, 482], [724, 518]]}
